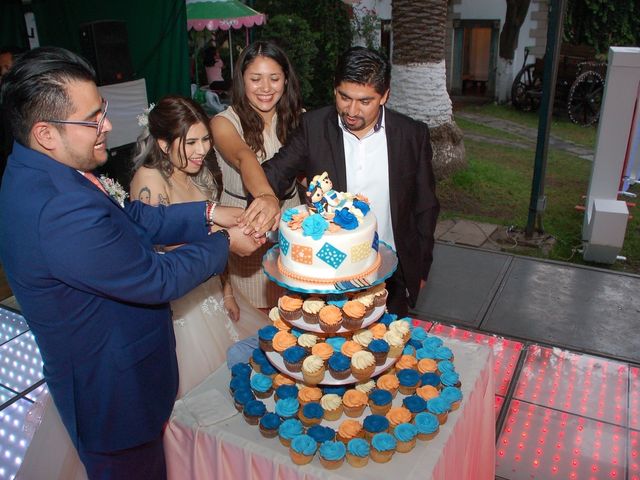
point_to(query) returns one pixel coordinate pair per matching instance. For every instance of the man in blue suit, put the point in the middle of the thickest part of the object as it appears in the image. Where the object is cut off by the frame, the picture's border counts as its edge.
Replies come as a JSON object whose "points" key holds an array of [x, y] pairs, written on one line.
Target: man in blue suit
{"points": [[84, 270]]}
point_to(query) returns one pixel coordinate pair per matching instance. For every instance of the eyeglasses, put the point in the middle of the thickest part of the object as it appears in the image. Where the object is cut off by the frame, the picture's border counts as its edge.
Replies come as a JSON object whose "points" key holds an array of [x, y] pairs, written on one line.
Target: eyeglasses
{"points": [[97, 125]]}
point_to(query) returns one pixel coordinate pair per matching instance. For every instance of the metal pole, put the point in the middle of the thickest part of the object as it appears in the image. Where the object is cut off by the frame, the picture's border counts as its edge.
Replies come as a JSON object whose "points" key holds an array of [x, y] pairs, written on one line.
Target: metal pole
{"points": [[551, 57]]}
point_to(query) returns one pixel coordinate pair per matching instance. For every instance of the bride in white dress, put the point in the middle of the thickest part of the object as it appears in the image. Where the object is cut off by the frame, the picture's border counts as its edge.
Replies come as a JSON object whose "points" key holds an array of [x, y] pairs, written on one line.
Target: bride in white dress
{"points": [[169, 168]]}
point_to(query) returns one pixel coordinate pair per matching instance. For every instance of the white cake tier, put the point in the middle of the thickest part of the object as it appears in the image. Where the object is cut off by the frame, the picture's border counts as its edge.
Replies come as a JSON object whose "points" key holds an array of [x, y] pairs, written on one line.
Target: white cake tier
{"points": [[336, 256], [302, 324], [276, 360]]}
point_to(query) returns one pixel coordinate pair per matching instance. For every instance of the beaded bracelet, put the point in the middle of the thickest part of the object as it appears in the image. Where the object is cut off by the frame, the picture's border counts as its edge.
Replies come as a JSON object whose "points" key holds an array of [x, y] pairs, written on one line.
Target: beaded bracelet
{"points": [[209, 213]]}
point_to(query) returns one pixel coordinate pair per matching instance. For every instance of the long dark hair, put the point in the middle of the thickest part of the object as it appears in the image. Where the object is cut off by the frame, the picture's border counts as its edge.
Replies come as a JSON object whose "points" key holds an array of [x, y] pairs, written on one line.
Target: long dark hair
{"points": [[169, 120], [288, 108]]}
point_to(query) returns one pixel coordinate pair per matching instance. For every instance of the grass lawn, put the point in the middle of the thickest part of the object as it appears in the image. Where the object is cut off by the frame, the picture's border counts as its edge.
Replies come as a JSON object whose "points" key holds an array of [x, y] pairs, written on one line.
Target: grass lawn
{"points": [[496, 187]]}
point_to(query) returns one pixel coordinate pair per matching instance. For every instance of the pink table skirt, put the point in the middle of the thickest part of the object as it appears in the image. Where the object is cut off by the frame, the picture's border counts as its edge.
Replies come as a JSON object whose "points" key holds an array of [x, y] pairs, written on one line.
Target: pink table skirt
{"points": [[200, 446]]}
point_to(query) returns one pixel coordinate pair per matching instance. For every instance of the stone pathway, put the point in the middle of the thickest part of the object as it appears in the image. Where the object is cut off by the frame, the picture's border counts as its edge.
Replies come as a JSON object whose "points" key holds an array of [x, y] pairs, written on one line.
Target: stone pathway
{"points": [[529, 135]]}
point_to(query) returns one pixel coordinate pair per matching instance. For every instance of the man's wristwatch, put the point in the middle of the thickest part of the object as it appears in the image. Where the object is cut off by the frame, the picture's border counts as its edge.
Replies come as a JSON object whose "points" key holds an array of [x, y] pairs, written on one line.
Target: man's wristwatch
{"points": [[225, 232]]}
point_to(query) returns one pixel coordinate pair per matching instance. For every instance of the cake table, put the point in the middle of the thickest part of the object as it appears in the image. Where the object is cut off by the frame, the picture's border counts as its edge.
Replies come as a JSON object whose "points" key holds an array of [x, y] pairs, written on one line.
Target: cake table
{"points": [[201, 442]]}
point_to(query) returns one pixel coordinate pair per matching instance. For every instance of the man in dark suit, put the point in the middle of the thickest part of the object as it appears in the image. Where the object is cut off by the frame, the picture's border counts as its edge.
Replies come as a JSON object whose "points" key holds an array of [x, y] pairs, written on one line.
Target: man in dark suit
{"points": [[370, 149], [84, 270]]}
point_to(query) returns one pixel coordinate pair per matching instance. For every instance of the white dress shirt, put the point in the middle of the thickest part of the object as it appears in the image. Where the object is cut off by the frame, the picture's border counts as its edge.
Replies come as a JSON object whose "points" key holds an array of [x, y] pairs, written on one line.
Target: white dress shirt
{"points": [[367, 167]]}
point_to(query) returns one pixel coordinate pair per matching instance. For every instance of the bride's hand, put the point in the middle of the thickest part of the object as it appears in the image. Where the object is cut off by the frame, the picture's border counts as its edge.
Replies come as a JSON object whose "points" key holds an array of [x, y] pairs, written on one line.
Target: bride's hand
{"points": [[232, 308]]}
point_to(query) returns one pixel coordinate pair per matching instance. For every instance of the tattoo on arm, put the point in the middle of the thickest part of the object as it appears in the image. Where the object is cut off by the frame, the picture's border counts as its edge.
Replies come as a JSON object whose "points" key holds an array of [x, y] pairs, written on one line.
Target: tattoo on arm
{"points": [[163, 199], [144, 195]]}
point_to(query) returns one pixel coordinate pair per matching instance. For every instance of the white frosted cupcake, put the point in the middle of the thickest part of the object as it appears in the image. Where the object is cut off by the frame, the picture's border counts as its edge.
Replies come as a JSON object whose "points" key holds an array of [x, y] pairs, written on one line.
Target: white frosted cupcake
{"points": [[396, 343], [311, 308], [313, 370], [363, 337], [307, 341], [363, 364], [401, 328]]}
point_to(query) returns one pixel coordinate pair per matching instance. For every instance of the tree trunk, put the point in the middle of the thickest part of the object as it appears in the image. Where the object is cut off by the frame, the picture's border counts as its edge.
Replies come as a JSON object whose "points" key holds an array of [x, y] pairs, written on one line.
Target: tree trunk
{"points": [[514, 18], [418, 78]]}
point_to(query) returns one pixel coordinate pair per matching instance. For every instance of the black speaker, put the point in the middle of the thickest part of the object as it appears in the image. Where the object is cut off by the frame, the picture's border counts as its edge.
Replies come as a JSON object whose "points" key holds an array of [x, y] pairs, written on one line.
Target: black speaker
{"points": [[106, 46]]}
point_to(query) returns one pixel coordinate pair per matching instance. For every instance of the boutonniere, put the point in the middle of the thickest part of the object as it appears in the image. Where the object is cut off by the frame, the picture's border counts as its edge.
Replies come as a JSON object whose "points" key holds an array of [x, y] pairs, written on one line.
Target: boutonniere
{"points": [[114, 189]]}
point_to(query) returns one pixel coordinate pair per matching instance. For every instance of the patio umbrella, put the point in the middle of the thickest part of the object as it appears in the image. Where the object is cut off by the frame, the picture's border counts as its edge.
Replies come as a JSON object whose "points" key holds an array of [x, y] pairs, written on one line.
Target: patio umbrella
{"points": [[222, 15]]}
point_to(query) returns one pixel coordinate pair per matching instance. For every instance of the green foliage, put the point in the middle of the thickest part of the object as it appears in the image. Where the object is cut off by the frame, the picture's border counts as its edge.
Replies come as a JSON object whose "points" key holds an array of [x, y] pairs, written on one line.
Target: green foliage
{"points": [[329, 22], [293, 35], [602, 23]]}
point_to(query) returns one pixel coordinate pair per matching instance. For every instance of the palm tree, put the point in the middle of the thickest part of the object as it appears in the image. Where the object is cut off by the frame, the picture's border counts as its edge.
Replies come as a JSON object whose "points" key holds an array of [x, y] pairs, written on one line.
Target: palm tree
{"points": [[418, 77]]}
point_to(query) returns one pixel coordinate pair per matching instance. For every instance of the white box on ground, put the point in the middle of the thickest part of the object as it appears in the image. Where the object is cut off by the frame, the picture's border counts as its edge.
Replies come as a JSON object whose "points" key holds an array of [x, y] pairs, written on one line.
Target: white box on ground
{"points": [[607, 224]]}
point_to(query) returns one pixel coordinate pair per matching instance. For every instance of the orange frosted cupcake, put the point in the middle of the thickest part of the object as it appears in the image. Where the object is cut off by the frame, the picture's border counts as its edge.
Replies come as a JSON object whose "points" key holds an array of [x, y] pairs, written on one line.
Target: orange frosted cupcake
{"points": [[398, 415], [322, 350], [406, 361], [353, 314], [290, 306], [354, 402], [427, 365], [367, 300], [330, 319], [313, 370], [427, 392], [350, 429], [283, 340], [378, 330], [309, 394], [388, 382], [311, 309], [332, 405], [350, 347], [363, 364], [279, 379]]}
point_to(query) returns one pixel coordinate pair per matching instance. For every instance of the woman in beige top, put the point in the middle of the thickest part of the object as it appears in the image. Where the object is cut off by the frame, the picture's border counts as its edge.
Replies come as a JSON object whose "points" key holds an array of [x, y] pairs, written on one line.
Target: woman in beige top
{"points": [[266, 107], [170, 168]]}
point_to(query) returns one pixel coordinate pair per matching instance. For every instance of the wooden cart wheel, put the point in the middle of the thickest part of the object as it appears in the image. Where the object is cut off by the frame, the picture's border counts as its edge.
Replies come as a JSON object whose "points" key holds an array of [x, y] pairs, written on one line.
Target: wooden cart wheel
{"points": [[585, 98], [525, 89]]}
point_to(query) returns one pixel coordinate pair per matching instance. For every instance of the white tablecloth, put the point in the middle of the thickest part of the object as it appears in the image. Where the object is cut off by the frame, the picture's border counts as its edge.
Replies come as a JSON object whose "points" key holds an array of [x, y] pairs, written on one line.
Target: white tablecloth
{"points": [[229, 448]]}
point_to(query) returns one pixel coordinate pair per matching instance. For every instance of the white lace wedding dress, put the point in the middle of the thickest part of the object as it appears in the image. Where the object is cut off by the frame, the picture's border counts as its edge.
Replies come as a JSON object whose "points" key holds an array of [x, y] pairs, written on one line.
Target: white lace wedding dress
{"points": [[204, 330]]}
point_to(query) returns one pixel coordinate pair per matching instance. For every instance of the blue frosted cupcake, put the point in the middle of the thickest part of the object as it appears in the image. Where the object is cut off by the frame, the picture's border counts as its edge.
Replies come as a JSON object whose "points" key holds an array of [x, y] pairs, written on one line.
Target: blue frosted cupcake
{"points": [[336, 343], [446, 366], [439, 407], [450, 379], [261, 385], [430, 378], [286, 391], [414, 404], [453, 395], [241, 397], [258, 359], [406, 434], [311, 414], [387, 318], [253, 411], [241, 370], [293, 357], [374, 424], [427, 425], [383, 446], [380, 401], [409, 380], [321, 434], [289, 429], [269, 425], [332, 454], [268, 369], [239, 383], [380, 350], [358, 451], [418, 334], [443, 353], [265, 337], [339, 366], [287, 407], [302, 449]]}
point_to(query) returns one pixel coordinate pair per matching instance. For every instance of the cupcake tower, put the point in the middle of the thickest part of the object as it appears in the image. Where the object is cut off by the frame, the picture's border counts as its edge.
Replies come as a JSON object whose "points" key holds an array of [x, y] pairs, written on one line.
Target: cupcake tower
{"points": [[337, 377]]}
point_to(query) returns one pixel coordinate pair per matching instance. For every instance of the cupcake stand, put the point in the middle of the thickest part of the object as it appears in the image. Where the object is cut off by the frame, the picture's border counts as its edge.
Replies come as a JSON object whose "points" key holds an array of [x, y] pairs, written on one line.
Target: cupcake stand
{"points": [[207, 438]]}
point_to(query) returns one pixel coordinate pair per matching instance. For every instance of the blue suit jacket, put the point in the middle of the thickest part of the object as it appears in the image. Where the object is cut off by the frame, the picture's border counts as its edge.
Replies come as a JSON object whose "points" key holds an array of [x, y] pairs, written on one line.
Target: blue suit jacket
{"points": [[95, 294]]}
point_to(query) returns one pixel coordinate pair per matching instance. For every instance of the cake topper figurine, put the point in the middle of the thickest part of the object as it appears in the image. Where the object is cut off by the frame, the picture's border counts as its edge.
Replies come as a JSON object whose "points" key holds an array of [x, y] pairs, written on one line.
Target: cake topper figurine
{"points": [[323, 199]]}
